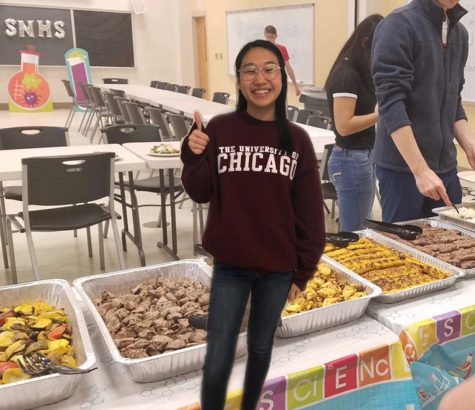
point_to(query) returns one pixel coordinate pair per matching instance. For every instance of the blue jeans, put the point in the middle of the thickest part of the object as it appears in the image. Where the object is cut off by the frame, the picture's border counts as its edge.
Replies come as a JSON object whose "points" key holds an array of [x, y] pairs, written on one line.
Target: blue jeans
{"points": [[230, 288], [402, 201], [352, 174]]}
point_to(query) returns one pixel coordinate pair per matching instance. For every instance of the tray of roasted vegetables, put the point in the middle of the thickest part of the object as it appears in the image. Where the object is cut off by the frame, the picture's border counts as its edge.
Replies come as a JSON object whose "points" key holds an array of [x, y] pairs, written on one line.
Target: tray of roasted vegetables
{"points": [[40, 317]]}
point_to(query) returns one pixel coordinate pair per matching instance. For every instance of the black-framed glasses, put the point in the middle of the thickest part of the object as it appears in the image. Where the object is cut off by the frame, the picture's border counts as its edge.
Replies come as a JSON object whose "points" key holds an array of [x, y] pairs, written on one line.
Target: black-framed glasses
{"points": [[269, 71]]}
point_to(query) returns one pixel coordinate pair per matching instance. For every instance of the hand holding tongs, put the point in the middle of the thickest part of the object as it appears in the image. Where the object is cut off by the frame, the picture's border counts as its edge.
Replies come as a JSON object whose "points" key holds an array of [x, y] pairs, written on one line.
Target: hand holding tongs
{"points": [[408, 232]]}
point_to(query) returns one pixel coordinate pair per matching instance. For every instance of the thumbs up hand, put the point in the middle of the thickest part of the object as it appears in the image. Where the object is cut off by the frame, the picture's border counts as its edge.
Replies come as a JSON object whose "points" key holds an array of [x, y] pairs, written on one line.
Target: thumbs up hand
{"points": [[198, 140]]}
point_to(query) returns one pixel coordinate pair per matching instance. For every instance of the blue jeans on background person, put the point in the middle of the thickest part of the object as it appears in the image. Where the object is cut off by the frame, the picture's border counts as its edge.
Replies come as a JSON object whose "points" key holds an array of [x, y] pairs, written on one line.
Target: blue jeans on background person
{"points": [[230, 288], [352, 174], [402, 201]]}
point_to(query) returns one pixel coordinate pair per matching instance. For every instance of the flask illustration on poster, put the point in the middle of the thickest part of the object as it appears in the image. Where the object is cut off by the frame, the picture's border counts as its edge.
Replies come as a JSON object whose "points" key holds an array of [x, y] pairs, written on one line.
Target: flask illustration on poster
{"points": [[28, 90], [79, 71]]}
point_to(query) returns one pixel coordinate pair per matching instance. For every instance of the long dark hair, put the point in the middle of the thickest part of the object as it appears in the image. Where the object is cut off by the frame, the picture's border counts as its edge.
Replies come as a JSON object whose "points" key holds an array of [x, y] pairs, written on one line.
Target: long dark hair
{"points": [[285, 142], [357, 49]]}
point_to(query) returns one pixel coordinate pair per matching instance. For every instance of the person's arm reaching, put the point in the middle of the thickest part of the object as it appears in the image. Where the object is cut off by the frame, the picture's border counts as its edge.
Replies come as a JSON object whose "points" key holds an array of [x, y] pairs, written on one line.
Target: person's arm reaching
{"points": [[427, 181], [346, 122], [466, 139], [291, 73]]}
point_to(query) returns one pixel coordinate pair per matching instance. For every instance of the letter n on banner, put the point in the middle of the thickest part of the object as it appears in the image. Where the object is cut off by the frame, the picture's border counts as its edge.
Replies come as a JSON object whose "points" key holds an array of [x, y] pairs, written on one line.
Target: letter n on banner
{"points": [[374, 366]]}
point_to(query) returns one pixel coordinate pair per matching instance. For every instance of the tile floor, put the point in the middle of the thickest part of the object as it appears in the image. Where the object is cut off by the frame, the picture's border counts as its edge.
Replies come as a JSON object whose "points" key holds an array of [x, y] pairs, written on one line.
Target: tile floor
{"points": [[61, 255]]}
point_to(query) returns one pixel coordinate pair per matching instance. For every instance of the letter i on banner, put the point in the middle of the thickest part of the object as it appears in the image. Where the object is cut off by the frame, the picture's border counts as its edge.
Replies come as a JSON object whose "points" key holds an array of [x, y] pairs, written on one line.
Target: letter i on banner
{"points": [[79, 71], [28, 90]]}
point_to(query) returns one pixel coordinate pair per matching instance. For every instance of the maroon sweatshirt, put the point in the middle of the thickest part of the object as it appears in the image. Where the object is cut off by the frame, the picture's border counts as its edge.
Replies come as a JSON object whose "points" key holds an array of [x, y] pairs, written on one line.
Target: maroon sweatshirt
{"points": [[266, 210]]}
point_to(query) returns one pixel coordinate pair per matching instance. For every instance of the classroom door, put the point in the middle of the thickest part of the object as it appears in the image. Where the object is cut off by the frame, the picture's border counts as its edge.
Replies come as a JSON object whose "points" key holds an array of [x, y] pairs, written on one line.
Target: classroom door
{"points": [[202, 54]]}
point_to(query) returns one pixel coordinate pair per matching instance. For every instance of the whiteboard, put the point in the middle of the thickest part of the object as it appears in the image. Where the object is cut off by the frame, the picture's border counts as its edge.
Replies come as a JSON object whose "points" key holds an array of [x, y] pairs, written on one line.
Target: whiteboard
{"points": [[295, 30]]}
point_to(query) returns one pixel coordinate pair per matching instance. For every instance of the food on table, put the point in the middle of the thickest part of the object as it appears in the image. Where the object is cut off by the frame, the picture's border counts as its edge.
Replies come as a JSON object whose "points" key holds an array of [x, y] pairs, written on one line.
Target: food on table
{"points": [[466, 214], [387, 268], [152, 318], [448, 245], [164, 149], [30, 328], [325, 288]]}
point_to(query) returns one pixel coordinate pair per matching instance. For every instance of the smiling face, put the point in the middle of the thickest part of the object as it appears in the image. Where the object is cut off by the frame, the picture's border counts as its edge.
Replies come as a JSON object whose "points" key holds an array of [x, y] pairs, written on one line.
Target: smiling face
{"points": [[260, 92]]}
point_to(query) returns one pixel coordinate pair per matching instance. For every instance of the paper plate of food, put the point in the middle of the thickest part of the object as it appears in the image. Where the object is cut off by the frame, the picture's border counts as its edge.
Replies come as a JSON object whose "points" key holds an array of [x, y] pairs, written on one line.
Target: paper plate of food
{"points": [[164, 150]]}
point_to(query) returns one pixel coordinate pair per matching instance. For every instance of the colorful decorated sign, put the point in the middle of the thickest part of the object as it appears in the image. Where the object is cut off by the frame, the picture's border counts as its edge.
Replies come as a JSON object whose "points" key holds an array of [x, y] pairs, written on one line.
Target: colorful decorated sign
{"points": [[28, 90], [441, 351], [376, 378], [79, 71]]}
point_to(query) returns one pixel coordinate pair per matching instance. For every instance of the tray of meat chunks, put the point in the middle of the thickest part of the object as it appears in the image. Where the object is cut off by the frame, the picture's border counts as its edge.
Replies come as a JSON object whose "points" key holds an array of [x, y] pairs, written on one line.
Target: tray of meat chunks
{"points": [[445, 241], [143, 317]]}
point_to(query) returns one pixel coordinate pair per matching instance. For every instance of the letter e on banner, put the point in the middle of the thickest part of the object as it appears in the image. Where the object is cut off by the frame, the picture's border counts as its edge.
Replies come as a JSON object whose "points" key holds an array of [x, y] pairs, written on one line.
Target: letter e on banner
{"points": [[340, 375]]}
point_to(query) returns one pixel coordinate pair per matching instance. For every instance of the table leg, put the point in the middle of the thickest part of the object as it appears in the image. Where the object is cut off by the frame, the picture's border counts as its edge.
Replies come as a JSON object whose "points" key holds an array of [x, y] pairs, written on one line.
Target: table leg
{"points": [[163, 204], [171, 178], [137, 238], [3, 226], [163, 209]]}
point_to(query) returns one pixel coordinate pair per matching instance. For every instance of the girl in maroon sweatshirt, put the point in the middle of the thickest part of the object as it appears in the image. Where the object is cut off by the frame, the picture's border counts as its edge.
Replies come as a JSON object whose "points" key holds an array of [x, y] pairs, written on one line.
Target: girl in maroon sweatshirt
{"points": [[265, 226]]}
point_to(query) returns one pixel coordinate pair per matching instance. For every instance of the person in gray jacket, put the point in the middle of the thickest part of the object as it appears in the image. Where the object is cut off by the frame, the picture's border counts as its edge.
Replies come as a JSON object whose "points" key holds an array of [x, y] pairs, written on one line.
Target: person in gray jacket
{"points": [[418, 58]]}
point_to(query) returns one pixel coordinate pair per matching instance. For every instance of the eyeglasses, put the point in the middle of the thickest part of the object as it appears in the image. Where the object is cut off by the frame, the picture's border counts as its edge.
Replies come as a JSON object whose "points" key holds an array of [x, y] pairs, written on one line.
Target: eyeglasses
{"points": [[269, 71]]}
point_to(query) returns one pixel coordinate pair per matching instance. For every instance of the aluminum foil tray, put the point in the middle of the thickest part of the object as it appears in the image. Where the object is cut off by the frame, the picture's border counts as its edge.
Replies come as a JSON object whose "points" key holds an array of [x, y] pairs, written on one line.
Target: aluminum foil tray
{"points": [[419, 290], [332, 315], [43, 390], [441, 223], [167, 364], [456, 221]]}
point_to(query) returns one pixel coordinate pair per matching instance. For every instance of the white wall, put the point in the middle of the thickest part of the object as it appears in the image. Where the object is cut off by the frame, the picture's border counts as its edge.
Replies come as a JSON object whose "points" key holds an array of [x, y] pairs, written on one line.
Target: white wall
{"points": [[156, 44]]}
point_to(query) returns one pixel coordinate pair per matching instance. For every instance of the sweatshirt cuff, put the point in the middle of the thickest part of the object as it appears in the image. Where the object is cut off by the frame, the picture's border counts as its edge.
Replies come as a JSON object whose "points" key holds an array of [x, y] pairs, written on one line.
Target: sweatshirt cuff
{"points": [[301, 278]]}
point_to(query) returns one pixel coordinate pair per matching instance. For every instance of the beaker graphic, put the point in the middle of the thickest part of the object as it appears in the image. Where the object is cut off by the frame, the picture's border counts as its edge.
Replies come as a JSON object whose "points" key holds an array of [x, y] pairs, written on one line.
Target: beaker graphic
{"points": [[28, 89]]}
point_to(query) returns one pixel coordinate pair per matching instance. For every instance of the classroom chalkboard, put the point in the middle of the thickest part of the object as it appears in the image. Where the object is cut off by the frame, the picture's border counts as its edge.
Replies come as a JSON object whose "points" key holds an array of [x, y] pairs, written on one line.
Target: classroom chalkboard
{"points": [[107, 36], [295, 29], [48, 30]]}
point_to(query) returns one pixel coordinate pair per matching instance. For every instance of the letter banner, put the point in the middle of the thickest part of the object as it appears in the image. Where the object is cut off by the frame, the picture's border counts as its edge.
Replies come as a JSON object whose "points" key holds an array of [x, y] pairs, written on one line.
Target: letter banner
{"points": [[372, 379]]}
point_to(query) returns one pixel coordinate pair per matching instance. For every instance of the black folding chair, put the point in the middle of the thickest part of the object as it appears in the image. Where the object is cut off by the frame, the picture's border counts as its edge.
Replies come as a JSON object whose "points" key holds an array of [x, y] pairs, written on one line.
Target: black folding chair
{"points": [[18, 138], [328, 189], [221, 97], [198, 92], [115, 80], [66, 185]]}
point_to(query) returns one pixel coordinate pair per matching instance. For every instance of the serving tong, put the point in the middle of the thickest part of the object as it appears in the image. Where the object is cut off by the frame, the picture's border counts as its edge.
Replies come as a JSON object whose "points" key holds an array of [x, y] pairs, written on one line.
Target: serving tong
{"points": [[37, 364], [407, 231], [341, 239]]}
